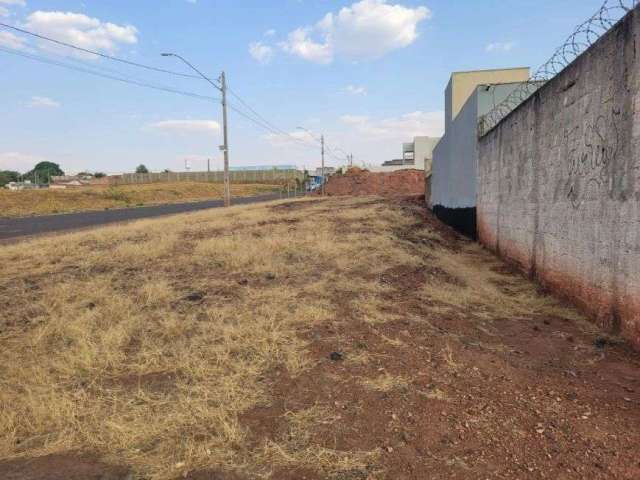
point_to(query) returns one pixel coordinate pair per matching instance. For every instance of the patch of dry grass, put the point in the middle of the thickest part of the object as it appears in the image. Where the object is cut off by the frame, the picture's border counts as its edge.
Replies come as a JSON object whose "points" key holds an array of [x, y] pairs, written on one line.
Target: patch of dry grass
{"points": [[297, 448], [146, 342], [386, 382], [480, 284], [42, 202]]}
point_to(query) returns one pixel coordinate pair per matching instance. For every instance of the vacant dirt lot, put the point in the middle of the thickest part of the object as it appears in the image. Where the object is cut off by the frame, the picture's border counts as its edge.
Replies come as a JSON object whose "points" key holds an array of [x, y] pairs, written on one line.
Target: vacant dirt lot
{"points": [[43, 202], [340, 338], [363, 182]]}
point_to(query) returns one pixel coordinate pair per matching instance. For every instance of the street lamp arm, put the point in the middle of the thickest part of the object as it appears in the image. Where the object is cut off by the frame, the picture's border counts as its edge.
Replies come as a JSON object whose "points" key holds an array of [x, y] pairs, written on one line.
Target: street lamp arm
{"points": [[193, 68]]}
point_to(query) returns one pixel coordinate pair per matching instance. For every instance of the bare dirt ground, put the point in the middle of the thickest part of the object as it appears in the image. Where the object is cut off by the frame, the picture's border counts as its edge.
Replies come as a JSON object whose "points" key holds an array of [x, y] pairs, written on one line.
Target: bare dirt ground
{"points": [[363, 182], [341, 338]]}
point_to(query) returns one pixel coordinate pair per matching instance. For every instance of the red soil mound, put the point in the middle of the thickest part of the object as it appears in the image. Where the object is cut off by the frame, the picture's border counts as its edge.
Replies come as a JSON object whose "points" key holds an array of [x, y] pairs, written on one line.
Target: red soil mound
{"points": [[363, 182]]}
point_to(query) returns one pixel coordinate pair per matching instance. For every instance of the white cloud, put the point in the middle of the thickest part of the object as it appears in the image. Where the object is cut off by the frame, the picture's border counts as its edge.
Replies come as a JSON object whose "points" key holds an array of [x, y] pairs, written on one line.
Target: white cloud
{"points": [[402, 128], [500, 47], [367, 29], [186, 126], [10, 40], [79, 29], [20, 162], [298, 43], [5, 12], [270, 33], [356, 90], [261, 52], [43, 102]]}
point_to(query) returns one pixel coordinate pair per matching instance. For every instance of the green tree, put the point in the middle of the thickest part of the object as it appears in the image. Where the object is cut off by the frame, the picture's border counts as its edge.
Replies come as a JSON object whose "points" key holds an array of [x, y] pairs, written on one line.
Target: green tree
{"points": [[142, 169], [43, 172], [99, 175], [7, 176]]}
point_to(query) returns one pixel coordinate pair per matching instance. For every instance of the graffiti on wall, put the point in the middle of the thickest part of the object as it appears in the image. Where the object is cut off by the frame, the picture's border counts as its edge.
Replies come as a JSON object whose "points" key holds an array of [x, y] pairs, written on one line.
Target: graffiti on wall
{"points": [[591, 151]]}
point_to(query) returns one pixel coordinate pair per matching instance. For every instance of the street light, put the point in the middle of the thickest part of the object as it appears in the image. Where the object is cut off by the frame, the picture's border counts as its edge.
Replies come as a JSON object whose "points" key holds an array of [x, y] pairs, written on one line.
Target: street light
{"points": [[222, 88], [322, 153]]}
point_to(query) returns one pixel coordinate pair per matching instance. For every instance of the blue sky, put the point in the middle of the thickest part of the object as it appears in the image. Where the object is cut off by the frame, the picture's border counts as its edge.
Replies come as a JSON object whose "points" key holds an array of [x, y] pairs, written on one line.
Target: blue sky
{"points": [[369, 74]]}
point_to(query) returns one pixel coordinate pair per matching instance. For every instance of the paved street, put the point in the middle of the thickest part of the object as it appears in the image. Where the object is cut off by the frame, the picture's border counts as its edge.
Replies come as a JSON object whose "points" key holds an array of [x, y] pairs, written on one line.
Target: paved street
{"points": [[16, 228]]}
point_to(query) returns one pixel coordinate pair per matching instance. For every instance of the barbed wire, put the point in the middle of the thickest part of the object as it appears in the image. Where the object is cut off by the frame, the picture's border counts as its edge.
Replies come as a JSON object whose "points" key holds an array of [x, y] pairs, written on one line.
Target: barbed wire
{"points": [[583, 37]]}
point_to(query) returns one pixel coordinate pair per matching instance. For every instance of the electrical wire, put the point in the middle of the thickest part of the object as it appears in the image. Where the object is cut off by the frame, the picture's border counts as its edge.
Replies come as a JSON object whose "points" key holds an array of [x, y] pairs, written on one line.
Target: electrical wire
{"points": [[257, 118], [103, 55], [270, 126], [138, 83], [107, 76]]}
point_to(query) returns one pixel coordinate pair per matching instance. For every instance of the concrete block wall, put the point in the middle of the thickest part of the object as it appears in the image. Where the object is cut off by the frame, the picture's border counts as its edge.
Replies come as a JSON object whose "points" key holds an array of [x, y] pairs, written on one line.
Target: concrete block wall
{"points": [[559, 182]]}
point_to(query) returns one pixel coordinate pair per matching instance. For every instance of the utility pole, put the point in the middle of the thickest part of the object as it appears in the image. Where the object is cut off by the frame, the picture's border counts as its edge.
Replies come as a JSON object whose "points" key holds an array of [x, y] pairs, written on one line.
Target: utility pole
{"points": [[208, 165], [227, 186], [222, 88], [323, 176]]}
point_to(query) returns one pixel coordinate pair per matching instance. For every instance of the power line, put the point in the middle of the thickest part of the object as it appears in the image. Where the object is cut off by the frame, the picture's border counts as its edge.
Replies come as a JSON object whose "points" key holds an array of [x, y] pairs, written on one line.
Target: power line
{"points": [[257, 118], [107, 76], [276, 131], [103, 55], [267, 124], [133, 82], [94, 66], [261, 123], [327, 148]]}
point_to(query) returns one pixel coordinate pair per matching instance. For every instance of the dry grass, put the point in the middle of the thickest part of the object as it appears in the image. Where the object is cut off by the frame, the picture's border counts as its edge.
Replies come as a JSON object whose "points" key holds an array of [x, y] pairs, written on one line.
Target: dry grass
{"points": [[42, 202], [386, 382], [481, 285], [146, 342], [297, 448]]}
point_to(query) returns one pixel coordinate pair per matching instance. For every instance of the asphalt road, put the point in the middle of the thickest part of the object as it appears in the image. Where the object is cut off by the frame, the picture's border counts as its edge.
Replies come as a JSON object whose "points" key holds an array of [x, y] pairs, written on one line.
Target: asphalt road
{"points": [[16, 228]]}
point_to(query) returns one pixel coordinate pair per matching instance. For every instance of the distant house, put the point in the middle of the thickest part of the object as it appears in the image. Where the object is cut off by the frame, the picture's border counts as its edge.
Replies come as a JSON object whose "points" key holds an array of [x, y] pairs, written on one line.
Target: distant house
{"points": [[397, 162], [415, 155], [66, 181], [26, 185]]}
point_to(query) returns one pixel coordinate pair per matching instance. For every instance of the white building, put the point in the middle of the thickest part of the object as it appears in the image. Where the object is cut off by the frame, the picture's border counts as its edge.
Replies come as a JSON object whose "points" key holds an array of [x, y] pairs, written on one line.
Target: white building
{"points": [[26, 185], [416, 155]]}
